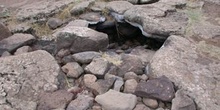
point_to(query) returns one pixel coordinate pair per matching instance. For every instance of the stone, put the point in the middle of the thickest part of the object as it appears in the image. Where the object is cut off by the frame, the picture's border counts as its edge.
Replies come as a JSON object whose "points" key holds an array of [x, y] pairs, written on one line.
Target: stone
{"points": [[98, 67], [160, 88], [22, 28], [41, 9], [130, 63], [49, 46], [67, 59], [144, 54], [54, 23], [63, 52], [5, 54], [55, 100], [182, 102], [89, 79], [157, 20], [118, 7], [96, 107], [133, 1], [73, 69], [143, 77], [86, 57], [101, 86], [130, 75], [22, 50], [141, 107], [82, 102], [114, 100], [81, 7], [200, 62], [26, 76], [98, 6], [147, 1], [4, 31], [152, 103], [15, 41], [118, 85], [130, 86], [93, 17], [78, 23], [80, 39]]}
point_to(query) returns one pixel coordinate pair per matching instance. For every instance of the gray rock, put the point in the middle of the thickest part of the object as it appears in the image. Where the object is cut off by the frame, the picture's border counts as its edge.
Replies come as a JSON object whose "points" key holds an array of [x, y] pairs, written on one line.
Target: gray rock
{"points": [[118, 85], [98, 6], [182, 102], [80, 39], [22, 50], [55, 100], [158, 20], [15, 41], [89, 79], [73, 69], [143, 77], [98, 67], [63, 52], [152, 103], [130, 86], [81, 7], [93, 17], [82, 102], [5, 54], [199, 63], [159, 88], [114, 100], [118, 7], [132, 1], [4, 31], [102, 86], [86, 57], [141, 107], [26, 76], [130, 75], [130, 63], [54, 23], [78, 23], [22, 28]]}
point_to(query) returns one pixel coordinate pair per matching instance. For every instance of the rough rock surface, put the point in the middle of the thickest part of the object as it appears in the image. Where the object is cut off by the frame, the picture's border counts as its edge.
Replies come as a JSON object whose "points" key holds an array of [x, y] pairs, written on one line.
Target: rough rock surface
{"points": [[191, 66], [4, 31], [25, 76], [82, 102], [54, 23], [73, 69], [114, 100], [160, 88], [81, 7], [79, 23], [15, 41], [152, 103], [141, 107], [119, 6], [22, 50], [130, 86], [85, 57], [80, 39]]}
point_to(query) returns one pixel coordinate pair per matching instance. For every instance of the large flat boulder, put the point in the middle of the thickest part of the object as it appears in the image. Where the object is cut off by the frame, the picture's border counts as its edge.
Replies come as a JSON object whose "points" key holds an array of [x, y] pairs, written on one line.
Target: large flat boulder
{"points": [[193, 66], [23, 77]]}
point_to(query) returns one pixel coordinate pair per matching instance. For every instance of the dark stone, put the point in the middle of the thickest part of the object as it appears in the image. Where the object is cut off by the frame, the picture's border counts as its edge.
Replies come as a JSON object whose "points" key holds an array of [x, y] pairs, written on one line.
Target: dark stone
{"points": [[159, 88], [4, 31], [86, 57], [54, 23], [93, 17]]}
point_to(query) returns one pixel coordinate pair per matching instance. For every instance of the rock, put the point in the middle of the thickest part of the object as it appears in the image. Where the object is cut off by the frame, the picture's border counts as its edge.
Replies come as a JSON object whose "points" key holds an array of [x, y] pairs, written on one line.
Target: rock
{"points": [[40, 10], [98, 6], [152, 103], [141, 107], [86, 57], [49, 46], [63, 52], [5, 54], [159, 88], [143, 77], [130, 86], [73, 69], [200, 62], [81, 7], [102, 86], [80, 39], [15, 41], [96, 107], [22, 50], [22, 28], [182, 102], [144, 54], [54, 23], [82, 102], [130, 75], [89, 79], [67, 59], [114, 100], [147, 1], [78, 23], [98, 67], [118, 85], [93, 17], [55, 100], [4, 31], [26, 76], [130, 63], [118, 7], [133, 1], [157, 20]]}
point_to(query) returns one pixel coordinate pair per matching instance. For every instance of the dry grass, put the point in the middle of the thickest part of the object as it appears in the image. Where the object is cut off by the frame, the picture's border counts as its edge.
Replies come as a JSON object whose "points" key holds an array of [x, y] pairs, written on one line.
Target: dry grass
{"points": [[41, 29], [116, 60]]}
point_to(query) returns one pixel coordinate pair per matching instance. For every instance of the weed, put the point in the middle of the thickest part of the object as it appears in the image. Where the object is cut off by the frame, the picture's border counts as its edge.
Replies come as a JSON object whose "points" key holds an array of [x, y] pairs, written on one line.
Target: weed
{"points": [[41, 29], [116, 60]]}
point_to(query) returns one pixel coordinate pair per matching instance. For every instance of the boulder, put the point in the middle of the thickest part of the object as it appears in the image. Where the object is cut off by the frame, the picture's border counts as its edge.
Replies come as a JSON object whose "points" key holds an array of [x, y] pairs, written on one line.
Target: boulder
{"points": [[130, 86], [89, 79], [54, 23], [159, 88], [78, 23], [80, 39], [152, 103], [118, 7], [4, 31], [114, 100], [15, 41], [22, 50], [193, 65], [81, 7], [92, 17], [82, 102], [86, 57], [73, 69], [26, 76]]}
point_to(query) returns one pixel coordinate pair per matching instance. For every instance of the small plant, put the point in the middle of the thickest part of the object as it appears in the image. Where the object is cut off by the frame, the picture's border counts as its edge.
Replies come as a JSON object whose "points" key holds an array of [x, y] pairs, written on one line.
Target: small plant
{"points": [[116, 60], [41, 29]]}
